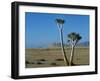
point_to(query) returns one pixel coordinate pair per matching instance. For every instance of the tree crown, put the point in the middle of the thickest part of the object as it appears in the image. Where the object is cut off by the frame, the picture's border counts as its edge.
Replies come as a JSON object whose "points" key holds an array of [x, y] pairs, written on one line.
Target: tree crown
{"points": [[60, 21], [74, 38]]}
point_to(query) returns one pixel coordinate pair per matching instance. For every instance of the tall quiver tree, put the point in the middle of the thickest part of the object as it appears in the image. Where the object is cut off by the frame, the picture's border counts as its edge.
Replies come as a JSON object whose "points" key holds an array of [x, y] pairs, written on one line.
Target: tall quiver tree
{"points": [[73, 39], [60, 23]]}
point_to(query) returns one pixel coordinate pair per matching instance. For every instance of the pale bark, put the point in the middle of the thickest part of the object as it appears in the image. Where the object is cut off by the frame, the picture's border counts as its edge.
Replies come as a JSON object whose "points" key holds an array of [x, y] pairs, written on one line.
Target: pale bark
{"points": [[71, 56], [62, 47]]}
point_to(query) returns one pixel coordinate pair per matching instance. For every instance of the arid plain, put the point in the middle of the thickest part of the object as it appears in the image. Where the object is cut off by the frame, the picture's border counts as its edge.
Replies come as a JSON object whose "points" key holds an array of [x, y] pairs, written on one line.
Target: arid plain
{"points": [[53, 57]]}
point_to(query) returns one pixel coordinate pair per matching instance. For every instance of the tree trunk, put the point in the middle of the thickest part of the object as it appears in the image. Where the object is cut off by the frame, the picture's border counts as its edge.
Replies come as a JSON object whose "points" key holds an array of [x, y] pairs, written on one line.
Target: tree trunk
{"points": [[62, 47], [71, 56]]}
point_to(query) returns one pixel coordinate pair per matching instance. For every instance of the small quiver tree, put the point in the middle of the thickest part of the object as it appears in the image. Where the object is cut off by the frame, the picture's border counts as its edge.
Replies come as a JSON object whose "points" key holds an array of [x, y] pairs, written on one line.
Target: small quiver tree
{"points": [[73, 39]]}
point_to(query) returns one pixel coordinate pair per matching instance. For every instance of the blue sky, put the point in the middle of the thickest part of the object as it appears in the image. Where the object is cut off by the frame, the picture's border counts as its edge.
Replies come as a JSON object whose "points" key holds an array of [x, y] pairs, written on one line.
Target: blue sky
{"points": [[41, 29]]}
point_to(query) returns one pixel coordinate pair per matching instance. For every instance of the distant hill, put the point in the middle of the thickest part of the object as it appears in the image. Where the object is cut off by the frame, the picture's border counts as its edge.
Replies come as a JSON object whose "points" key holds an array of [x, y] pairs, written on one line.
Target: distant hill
{"points": [[86, 43]]}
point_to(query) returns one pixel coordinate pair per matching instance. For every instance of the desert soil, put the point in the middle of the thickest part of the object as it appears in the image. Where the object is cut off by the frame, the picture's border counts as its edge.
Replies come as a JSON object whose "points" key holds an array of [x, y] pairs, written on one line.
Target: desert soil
{"points": [[52, 57]]}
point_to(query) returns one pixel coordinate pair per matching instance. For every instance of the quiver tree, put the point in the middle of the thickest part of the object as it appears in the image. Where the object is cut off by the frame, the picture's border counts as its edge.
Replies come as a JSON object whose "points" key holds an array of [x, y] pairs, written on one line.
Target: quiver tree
{"points": [[60, 23], [73, 39]]}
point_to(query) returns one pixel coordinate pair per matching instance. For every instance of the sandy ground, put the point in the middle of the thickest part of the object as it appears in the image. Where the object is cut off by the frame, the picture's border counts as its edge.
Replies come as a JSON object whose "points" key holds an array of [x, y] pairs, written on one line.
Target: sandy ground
{"points": [[52, 57]]}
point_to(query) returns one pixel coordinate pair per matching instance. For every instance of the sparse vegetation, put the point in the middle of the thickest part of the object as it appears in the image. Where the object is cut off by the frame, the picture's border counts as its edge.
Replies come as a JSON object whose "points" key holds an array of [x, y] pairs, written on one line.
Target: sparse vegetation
{"points": [[27, 62], [59, 59], [53, 64], [81, 57], [40, 63], [42, 60]]}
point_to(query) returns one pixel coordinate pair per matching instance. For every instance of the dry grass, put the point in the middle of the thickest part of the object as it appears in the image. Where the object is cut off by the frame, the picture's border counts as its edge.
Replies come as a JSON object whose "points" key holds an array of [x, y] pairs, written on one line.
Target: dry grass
{"points": [[51, 57]]}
